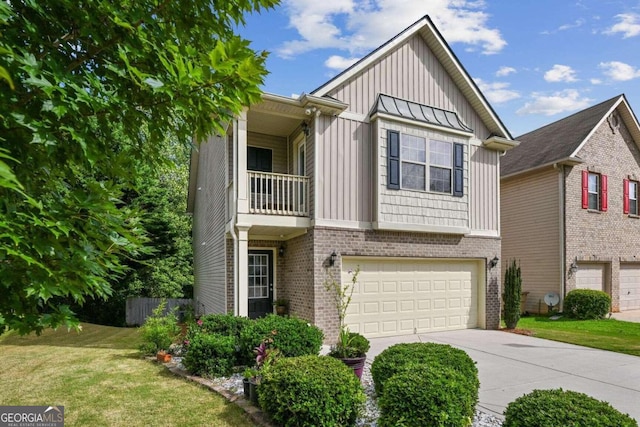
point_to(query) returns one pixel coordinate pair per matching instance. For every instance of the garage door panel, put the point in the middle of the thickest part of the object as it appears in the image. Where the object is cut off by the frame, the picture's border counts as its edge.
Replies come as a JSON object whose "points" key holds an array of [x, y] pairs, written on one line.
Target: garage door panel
{"points": [[439, 285], [389, 307], [424, 286], [408, 296], [439, 303], [629, 287], [390, 287], [590, 276], [407, 305], [367, 288], [406, 287]]}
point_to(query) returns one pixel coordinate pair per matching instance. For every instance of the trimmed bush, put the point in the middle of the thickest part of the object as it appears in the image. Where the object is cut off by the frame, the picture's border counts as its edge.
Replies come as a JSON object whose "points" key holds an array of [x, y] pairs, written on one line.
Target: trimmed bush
{"points": [[223, 324], [311, 391], [552, 408], [428, 395], [292, 336], [210, 355], [398, 357], [587, 304], [512, 293]]}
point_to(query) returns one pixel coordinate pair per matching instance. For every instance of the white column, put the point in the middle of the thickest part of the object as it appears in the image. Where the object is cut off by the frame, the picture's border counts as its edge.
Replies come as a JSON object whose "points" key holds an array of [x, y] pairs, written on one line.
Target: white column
{"points": [[242, 287], [240, 136]]}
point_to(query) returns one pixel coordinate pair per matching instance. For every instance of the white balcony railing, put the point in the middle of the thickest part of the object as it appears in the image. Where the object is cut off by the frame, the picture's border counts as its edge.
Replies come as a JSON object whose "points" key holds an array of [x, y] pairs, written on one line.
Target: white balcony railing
{"points": [[278, 194]]}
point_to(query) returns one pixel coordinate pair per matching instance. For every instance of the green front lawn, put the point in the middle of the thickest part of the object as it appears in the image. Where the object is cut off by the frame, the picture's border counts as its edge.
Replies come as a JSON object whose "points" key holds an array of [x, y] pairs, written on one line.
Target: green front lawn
{"points": [[606, 334], [100, 378]]}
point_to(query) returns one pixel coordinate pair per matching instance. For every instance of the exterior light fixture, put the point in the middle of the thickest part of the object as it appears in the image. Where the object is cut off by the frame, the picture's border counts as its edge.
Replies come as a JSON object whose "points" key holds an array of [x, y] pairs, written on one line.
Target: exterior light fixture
{"points": [[332, 258], [281, 250], [305, 128], [493, 262], [573, 268]]}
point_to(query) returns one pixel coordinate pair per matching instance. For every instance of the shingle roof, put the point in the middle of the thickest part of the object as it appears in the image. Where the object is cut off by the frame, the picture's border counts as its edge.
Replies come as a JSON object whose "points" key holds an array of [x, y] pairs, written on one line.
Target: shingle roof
{"points": [[554, 141], [423, 113]]}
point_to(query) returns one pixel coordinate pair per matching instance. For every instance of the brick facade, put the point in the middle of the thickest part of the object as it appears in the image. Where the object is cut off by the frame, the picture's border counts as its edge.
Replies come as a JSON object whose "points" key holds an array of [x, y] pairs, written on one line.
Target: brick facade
{"points": [[396, 244], [300, 274], [610, 237]]}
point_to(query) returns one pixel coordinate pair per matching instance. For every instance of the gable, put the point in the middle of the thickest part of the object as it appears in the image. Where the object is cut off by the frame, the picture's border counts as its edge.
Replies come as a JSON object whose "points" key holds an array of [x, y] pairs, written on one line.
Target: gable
{"points": [[419, 66], [410, 72]]}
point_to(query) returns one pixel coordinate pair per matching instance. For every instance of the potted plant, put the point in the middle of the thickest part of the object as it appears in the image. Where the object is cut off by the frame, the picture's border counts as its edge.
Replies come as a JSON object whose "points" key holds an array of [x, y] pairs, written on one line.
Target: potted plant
{"points": [[351, 347], [282, 306], [265, 356]]}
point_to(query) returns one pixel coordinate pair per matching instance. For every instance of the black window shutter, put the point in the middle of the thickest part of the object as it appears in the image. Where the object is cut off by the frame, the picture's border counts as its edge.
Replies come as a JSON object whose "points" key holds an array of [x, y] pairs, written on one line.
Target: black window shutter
{"points": [[393, 160], [458, 170]]}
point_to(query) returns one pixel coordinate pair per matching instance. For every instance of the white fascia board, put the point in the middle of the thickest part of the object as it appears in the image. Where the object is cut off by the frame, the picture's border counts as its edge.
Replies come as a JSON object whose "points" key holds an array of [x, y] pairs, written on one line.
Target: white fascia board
{"points": [[422, 228]]}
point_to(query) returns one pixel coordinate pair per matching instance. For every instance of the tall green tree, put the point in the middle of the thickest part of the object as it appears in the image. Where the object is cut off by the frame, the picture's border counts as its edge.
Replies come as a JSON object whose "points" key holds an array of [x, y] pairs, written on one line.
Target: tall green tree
{"points": [[89, 94]]}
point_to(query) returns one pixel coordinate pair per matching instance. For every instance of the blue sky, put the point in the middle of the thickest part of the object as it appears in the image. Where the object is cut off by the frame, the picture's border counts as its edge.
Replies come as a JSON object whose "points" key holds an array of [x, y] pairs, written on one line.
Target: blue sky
{"points": [[536, 61]]}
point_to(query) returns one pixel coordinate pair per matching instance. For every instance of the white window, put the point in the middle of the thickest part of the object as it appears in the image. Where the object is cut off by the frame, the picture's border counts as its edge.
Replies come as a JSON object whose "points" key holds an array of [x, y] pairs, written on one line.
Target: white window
{"points": [[594, 191], [420, 166], [633, 197]]}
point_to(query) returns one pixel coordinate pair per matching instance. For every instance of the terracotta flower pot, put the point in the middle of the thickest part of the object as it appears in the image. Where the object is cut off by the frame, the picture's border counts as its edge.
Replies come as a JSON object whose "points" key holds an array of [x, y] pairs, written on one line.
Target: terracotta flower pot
{"points": [[163, 357]]}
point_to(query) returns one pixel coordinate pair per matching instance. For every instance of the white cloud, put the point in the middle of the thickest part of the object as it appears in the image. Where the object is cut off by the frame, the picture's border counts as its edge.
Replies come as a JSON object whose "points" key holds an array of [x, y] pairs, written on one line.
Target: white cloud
{"points": [[629, 25], [505, 71], [558, 102], [337, 62], [560, 73], [619, 71], [595, 81], [497, 92], [577, 23], [357, 26]]}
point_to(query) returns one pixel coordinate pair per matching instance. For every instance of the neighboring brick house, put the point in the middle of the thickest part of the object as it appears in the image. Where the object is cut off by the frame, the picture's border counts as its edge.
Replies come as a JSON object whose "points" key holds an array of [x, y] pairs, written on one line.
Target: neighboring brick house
{"points": [[392, 166], [569, 204]]}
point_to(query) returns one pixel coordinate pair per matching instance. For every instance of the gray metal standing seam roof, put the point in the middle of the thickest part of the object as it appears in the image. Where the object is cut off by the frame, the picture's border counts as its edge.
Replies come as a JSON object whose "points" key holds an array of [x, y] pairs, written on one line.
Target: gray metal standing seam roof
{"points": [[423, 113]]}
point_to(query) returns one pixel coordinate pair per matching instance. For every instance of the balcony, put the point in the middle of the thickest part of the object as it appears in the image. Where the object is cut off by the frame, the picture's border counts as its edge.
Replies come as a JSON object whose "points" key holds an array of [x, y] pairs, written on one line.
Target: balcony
{"points": [[278, 194]]}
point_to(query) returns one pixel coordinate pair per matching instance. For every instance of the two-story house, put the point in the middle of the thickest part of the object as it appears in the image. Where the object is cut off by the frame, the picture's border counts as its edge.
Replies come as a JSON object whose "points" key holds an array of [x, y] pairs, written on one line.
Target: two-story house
{"points": [[570, 214], [392, 166]]}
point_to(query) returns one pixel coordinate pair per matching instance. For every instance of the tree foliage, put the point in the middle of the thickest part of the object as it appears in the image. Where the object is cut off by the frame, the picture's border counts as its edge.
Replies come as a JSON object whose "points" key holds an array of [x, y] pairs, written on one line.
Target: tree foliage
{"points": [[89, 94]]}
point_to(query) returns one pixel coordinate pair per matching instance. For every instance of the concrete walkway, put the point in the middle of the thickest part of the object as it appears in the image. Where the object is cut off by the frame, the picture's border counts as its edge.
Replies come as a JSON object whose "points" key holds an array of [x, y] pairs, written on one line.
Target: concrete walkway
{"points": [[512, 365], [628, 316]]}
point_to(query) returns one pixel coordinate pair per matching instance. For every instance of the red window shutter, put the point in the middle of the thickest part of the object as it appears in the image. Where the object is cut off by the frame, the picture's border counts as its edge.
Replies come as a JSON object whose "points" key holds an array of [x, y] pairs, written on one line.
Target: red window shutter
{"points": [[603, 193], [625, 194], [585, 189]]}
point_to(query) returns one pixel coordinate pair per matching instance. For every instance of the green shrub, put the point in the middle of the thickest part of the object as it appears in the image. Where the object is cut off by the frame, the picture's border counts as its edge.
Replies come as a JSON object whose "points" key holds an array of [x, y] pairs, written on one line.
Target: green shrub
{"points": [[512, 292], [220, 324], [311, 391], [159, 330], [552, 408], [396, 358], [428, 395], [210, 355], [587, 304], [292, 336]]}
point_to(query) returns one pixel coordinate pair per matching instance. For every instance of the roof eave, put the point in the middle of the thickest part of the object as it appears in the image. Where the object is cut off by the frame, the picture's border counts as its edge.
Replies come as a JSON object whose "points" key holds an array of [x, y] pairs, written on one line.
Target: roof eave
{"points": [[499, 143], [566, 161]]}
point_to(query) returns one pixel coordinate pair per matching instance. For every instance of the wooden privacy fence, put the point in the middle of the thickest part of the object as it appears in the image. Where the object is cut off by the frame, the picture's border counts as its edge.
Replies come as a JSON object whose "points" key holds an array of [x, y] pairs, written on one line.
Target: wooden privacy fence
{"points": [[138, 309]]}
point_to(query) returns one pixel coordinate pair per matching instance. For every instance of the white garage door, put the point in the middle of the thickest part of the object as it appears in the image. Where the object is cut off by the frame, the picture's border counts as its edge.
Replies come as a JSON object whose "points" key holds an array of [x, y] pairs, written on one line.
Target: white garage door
{"points": [[629, 287], [400, 297], [590, 276]]}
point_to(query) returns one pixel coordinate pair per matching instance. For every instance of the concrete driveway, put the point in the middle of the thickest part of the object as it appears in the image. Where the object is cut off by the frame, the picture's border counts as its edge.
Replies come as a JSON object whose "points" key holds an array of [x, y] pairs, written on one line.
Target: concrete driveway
{"points": [[511, 365]]}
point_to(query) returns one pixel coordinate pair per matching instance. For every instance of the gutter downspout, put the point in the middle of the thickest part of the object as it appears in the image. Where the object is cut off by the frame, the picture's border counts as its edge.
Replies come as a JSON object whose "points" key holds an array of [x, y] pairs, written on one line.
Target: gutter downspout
{"points": [[563, 231], [232, 229]]}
